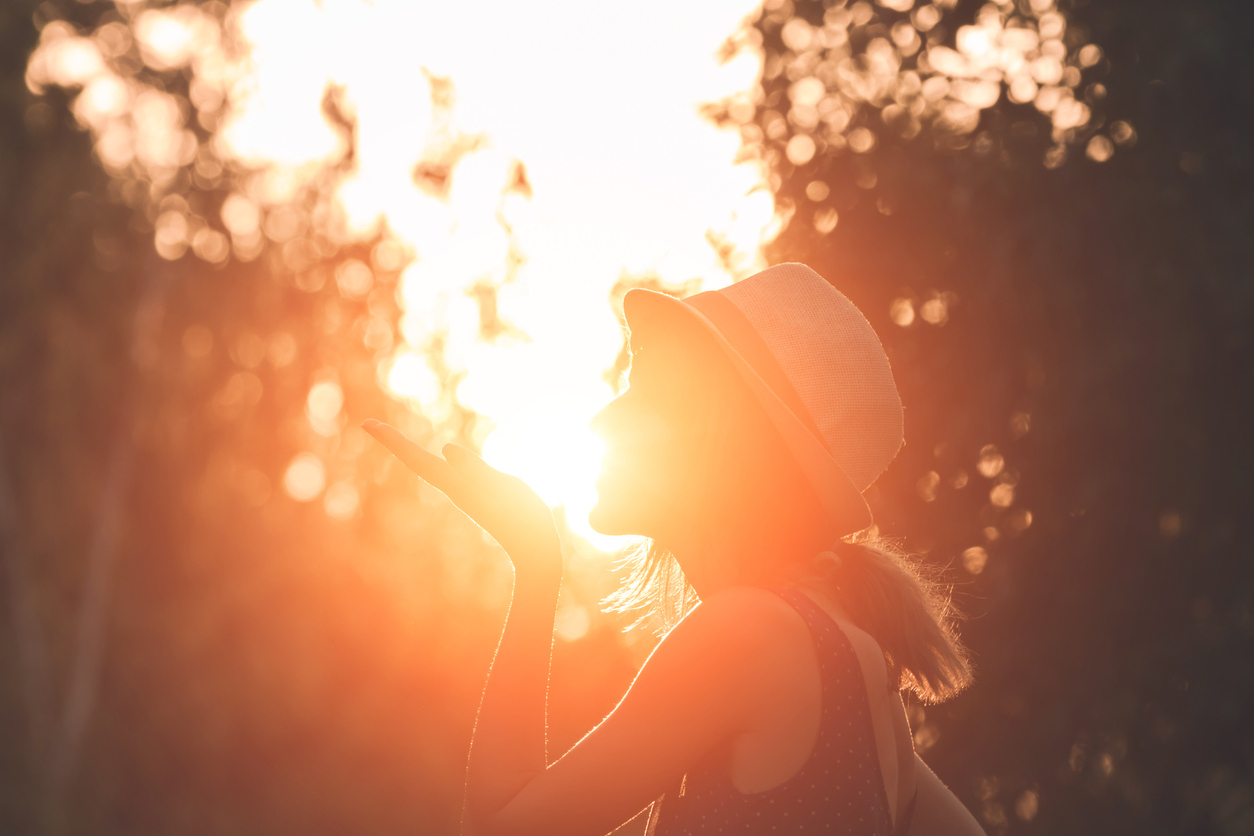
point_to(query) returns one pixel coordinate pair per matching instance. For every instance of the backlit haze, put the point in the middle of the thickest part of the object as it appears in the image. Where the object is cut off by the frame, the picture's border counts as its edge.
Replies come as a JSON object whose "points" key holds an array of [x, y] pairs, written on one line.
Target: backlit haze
{"points": [[590, 112], [590, 109], [518, 161]]}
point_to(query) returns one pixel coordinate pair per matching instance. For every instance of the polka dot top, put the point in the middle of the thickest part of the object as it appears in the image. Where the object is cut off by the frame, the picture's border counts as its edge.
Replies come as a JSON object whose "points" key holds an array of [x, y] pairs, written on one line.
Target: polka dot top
{"points": [[839, 789]]}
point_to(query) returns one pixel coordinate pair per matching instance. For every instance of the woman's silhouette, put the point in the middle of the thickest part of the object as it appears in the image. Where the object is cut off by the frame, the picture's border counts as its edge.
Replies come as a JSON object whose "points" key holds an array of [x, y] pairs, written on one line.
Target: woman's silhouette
{"points": [[755, 417]]}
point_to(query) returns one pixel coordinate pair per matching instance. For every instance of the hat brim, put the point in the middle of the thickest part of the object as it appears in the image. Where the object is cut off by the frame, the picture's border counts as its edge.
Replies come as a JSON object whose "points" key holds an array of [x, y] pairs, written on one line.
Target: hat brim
{"points": [[844, 508]]}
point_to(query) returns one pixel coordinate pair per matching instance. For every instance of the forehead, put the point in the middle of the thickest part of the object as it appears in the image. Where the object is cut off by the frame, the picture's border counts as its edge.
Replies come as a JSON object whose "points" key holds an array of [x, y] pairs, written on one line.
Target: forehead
{"points": [[670, 338], [660, 351], [686, 361], [643, 362]]}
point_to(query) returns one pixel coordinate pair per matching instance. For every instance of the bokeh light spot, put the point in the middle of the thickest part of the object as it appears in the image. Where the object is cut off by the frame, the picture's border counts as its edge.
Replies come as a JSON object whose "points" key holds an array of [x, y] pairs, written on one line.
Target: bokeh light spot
{"points": [[1027, 805], [354, 278], [901, 312], [926, 737], [1100, 149], [825, 220], [1020, 424], [1122, 133], [990, 462], [974, 559], [571, 622], [800, 149], [304, 478], [341, 501], [926, 486], [935, 311], [323, 407], [1021, 520]]}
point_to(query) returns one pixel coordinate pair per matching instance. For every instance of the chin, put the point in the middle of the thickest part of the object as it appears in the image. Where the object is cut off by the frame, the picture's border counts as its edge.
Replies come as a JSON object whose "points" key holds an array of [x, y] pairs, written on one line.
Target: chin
{"points": [[609, 518], [603, 521]]}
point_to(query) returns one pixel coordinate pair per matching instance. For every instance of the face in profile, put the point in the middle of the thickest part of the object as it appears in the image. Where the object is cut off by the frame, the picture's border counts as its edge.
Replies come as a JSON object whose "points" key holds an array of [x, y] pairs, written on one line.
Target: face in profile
{"points": [[639, 489], [688, 445]]}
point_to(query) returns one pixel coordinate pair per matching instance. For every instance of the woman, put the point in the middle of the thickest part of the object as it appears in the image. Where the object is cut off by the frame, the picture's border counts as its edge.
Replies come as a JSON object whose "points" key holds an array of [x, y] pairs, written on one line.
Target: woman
{"points": [[755, 417]]}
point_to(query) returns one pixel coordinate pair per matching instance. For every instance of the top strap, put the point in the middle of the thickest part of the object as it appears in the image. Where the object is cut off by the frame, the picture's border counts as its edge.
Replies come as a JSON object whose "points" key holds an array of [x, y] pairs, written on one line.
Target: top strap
{"points": [[878, 714]]}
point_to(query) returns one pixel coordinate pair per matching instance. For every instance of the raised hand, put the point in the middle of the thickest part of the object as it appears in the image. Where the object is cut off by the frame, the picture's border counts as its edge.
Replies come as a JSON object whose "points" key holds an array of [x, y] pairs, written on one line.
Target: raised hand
{"points": [[503, 505]]}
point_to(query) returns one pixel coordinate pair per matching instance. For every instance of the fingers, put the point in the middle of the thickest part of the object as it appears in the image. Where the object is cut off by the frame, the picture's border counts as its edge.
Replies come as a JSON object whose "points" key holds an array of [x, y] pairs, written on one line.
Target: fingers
{"points": [[435, 470], [467, 462]]}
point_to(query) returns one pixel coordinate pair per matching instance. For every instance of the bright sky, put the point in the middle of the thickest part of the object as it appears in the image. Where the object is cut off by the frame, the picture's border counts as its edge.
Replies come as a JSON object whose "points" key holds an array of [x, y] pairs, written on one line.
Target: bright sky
{"points": [[599, 102]]}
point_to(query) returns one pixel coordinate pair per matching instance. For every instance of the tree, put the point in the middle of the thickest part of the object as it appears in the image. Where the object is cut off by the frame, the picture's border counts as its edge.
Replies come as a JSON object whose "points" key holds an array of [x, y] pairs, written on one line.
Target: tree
{"points": [[1069, 331]]}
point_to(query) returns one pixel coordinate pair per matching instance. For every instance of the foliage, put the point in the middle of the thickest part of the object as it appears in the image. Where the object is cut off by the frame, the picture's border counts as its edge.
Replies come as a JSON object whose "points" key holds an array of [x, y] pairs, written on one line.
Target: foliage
{"points": [[1073, 349], [261, 663], [1071, 342]]}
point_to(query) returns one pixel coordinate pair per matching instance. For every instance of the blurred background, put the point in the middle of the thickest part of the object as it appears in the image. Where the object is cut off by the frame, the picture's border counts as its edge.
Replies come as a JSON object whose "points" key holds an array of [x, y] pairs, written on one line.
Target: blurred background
{"points": [[232, 232]]}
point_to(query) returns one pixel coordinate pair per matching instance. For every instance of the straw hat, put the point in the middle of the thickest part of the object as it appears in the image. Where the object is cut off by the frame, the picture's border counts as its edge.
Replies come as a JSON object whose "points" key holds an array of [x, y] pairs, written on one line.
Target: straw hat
{"points": [[812, 360]]}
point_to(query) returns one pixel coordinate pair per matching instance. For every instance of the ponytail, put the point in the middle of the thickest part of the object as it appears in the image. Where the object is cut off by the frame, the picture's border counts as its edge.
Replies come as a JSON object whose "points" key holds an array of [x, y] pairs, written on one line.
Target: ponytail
{"points": [[891, 594], [904, 606]]}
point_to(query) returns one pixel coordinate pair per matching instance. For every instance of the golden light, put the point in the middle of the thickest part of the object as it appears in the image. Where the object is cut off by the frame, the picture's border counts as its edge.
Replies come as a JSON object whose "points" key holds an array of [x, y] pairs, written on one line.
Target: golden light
{"points": [[1027, 805], [1002, 495], [1123, 133], [623, 176], [926, 486], [305, 477], [1021, 520], [571, 622], [1100, 149], [604, 200], [935, 310], [1020, 424], [340, 501], [901, 312], [517, 162], [323, 407], [974, 559], [990, 462]]}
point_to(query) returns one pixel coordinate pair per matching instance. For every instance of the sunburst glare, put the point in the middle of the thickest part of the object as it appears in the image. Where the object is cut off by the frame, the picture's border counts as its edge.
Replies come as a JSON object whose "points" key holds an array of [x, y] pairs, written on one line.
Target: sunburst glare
{"points": [[521, 165]]}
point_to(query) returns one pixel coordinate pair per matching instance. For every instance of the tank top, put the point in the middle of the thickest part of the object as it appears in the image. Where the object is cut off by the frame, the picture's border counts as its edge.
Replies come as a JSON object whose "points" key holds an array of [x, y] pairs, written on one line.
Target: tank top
{"points": [[839, 788]]}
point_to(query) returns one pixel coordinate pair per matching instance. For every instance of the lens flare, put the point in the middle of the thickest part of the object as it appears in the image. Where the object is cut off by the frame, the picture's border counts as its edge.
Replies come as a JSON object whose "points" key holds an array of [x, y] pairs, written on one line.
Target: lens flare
{"points": [[521, 159]]}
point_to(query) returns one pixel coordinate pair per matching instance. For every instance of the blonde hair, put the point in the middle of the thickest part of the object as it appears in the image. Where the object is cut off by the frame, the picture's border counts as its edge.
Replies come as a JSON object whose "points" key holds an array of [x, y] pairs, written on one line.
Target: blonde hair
{"points": [[743, 486]]}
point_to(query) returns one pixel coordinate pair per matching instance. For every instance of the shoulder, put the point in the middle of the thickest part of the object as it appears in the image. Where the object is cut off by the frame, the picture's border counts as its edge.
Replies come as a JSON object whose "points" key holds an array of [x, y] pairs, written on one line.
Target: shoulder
{"points": [[733, 655], [742, 651]]}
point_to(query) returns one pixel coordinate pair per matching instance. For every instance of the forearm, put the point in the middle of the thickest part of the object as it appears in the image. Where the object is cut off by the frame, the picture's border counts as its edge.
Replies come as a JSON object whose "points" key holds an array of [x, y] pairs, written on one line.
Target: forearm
{"points": [[508, 746]]}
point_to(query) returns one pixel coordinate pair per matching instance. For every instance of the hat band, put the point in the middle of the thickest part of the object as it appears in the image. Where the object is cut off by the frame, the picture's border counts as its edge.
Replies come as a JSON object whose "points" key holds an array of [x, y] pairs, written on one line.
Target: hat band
{"points": [[739, 331]]}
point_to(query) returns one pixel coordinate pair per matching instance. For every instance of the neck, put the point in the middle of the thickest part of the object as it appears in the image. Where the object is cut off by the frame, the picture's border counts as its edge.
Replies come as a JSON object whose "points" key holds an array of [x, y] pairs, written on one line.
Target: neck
{"points": [[714, 563]]}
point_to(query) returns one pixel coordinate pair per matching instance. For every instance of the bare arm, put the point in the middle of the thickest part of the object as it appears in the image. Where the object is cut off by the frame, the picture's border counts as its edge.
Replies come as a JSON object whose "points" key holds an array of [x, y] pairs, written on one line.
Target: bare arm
{"points": [[508, 747], [938, 812], [706, 681]]}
